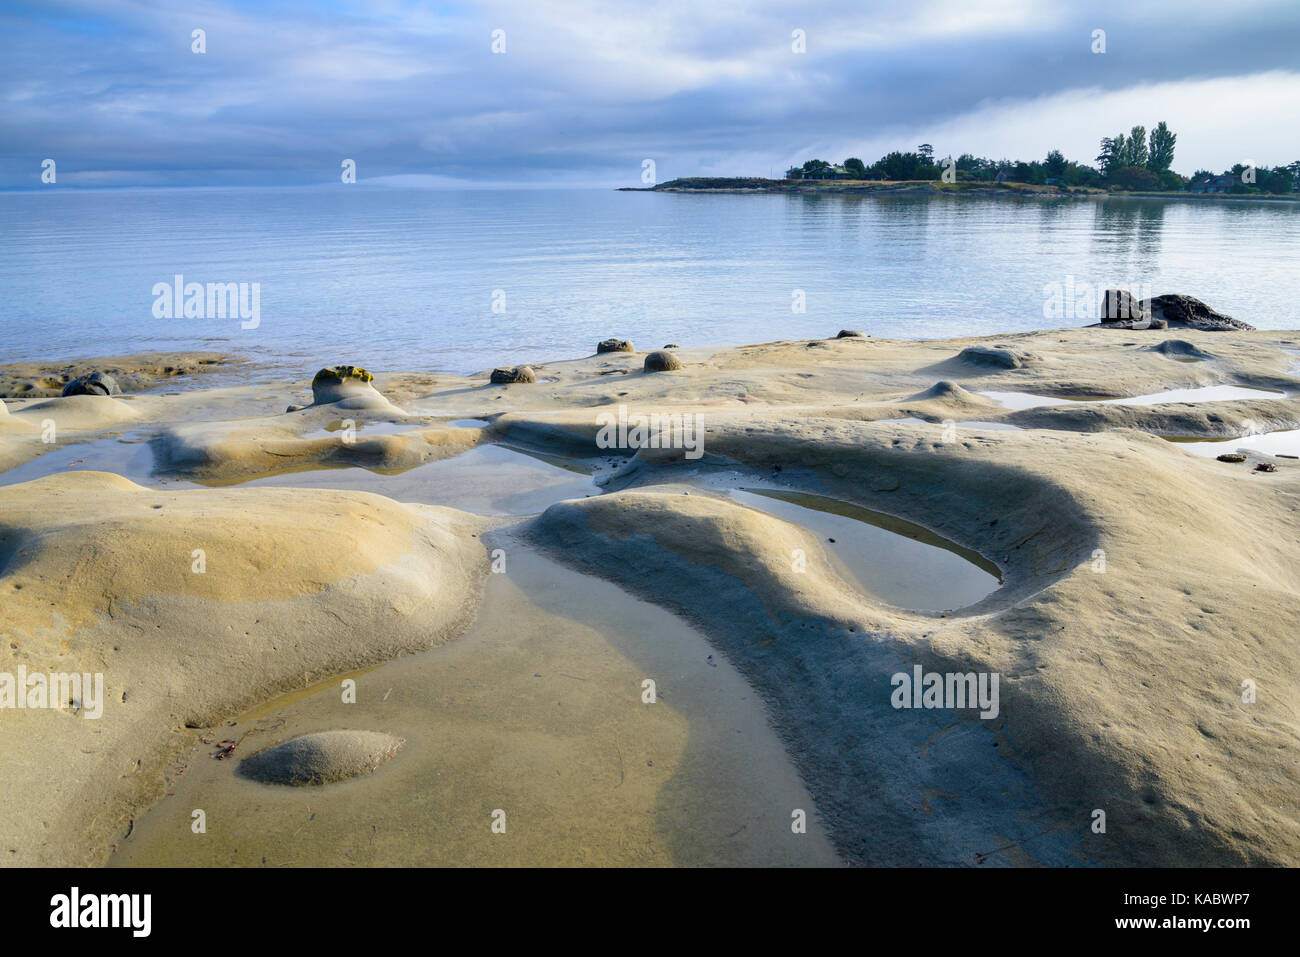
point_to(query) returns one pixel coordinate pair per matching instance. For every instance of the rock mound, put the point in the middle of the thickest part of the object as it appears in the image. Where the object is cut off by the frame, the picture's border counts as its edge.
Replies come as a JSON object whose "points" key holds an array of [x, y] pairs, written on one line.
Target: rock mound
{"points": [[994, 357], [340, 382], [93, 383], [1181, 349], [614, 345], [662, 361], [507, 376], [850, 334], [946, 389], [321, 758]]}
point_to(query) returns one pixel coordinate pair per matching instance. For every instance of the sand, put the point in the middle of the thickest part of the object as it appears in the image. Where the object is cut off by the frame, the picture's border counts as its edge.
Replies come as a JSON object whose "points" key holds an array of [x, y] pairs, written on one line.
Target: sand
{"points": [[1142, 585]]}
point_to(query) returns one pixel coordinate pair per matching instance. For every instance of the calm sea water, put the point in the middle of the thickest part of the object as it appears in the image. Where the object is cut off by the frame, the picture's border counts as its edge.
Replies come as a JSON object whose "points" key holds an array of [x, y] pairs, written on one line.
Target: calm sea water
{"points": [[405, 278]]}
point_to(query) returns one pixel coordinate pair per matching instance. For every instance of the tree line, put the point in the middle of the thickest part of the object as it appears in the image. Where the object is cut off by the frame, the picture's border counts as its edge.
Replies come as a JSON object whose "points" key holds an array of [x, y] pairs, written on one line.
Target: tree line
{"points": [[1136, 160]]}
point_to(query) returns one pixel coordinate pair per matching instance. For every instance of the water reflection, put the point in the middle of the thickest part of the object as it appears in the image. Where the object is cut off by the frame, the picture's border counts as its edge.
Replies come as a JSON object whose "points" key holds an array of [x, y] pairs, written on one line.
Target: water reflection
{"points": [[1132, 225]]}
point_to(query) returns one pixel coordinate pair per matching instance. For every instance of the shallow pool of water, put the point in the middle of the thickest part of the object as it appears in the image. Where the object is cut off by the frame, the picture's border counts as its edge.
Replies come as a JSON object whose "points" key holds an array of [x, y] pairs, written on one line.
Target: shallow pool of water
{"points": [[899, 562], [127, 458], [962, 424], [536, 712], [1284, 442], [362, 429], [487, 479], [1209, 393]]}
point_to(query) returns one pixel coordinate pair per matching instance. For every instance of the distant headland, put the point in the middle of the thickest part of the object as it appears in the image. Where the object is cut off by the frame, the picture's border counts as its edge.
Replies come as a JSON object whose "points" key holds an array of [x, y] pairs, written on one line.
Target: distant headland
{"points": [[1133, 164]]}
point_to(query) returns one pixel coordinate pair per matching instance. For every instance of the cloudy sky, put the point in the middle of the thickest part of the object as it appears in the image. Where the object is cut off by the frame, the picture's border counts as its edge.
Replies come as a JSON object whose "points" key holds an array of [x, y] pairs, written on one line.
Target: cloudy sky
{"points": [[585, 91]]}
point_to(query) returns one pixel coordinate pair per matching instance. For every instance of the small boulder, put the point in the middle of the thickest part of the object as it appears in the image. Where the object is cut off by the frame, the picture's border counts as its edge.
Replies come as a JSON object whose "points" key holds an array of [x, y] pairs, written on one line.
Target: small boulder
{"points": [[661, 361], [1184, 312], [516, 374], [340, 382], [614, 345], [93, 383], [850, 334], [321, 758], [1233, 457], [671, 345], [294, 408], [1265, 467]]}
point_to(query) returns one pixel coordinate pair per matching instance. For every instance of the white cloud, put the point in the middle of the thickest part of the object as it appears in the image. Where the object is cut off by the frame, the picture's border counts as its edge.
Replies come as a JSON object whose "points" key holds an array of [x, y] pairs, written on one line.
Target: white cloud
{"points": [[1218, 122]]}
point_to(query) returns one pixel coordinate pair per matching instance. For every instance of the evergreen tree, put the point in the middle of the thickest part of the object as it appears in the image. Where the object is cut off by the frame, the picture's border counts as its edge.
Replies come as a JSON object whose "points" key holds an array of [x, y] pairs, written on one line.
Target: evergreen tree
{"points": [[1162, 148]]}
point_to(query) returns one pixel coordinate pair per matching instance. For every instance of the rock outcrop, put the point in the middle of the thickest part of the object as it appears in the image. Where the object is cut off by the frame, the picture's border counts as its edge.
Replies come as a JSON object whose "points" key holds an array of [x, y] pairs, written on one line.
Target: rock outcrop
{"points": [[511, 375], [1184, 312], [93, 383], [995, 357]]}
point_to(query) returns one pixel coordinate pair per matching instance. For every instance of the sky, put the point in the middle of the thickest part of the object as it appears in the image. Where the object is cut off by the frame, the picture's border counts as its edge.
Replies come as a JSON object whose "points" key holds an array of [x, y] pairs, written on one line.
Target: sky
{"points": [[580, 92]]}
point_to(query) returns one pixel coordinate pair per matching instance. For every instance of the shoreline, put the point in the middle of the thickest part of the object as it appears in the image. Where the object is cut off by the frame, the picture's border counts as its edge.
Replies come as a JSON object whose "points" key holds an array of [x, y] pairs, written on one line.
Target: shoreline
{"points": [[379, 531], [932, 188]]}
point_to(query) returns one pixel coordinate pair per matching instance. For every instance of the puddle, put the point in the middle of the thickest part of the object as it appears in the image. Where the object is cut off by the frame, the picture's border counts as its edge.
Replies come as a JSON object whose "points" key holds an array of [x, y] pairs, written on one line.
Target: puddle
{"points": [[129, 457], [487, 479], [536, 712], [897, 561], [964, 424], [1284, 442], [362, 429], [470, 423], [1209, 393]]}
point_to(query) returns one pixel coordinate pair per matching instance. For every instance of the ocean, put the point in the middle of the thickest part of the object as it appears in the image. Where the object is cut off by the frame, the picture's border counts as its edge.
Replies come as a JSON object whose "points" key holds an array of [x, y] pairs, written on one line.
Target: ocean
{"points": [[397, 278]]}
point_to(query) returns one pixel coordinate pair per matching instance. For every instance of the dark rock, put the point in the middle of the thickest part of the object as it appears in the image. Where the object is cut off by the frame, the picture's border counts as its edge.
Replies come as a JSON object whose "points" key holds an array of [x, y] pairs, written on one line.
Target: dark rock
{"points": [[1233, 457], [517, 374], [1184, 312], [661, 362], [850, 334], [294, 408], [671, 345], [93, 383], [1118, 305], [995, 357], [614, 345], [1265, 467]]}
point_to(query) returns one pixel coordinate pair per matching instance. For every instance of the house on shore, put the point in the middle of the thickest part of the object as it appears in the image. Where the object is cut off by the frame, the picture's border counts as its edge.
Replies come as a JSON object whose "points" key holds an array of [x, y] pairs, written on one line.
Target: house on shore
{"points": [[826, 172], [1212, 184]]}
